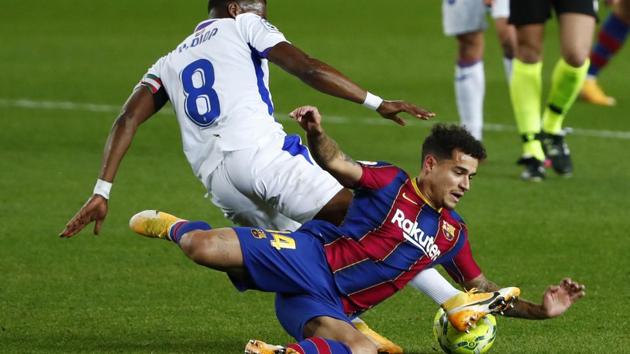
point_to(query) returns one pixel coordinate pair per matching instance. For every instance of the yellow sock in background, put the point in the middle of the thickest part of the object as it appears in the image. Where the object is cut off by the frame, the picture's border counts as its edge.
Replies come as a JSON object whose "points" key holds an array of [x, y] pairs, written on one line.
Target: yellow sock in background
{"points": [[566, 83], [526, 92]]}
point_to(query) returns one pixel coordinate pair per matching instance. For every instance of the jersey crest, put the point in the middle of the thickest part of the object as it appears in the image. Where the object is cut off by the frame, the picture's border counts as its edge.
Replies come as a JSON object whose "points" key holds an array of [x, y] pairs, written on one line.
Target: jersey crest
{"points": [[448, 230]]}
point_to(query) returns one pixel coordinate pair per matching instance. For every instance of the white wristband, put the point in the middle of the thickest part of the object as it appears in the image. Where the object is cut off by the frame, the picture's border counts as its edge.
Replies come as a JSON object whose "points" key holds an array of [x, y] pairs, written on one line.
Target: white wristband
{"points": [[102, 188], [372, 101]]}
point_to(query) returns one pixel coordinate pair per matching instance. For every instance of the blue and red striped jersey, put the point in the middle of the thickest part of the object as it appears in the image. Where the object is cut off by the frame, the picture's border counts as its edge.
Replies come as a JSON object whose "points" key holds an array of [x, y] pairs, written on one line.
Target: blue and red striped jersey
{"points": [[388, 236]]}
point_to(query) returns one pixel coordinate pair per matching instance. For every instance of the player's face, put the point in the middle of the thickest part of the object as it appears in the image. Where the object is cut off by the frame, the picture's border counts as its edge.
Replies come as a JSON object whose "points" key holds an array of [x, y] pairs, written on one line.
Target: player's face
{"points": [[450, 179]]}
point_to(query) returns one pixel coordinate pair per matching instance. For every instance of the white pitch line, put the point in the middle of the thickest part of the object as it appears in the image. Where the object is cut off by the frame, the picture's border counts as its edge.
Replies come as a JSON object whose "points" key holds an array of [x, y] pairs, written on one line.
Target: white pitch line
{"points": [[59, 105], [93, 107]]}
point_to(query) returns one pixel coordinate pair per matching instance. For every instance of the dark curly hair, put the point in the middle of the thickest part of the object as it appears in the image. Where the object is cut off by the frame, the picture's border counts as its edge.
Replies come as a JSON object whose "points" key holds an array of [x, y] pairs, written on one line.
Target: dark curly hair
{"points": [[445, 138], [216, 3]]}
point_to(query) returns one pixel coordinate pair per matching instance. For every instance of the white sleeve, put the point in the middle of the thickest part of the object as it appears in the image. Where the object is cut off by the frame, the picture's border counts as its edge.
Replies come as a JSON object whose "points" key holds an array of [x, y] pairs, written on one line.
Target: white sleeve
{"points": [[152, 79], [258, 33]]}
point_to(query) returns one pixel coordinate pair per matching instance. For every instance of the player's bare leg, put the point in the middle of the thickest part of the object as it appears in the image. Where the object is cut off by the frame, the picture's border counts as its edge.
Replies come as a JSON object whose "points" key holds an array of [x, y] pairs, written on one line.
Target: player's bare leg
{"points": [[383, 344], [576, 37], [340, 331], [214, 248], [506, 34], [576, 31]]}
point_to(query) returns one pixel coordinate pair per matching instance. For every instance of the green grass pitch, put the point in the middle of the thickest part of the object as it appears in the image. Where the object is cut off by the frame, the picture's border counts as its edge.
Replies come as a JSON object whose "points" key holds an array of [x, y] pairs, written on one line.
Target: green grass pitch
{"points": [[67, 65]]}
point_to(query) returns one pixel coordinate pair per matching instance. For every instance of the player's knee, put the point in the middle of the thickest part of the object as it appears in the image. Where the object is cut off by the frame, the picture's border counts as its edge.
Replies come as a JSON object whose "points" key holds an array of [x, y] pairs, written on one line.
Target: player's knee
{"points": [[507, 41], [529, 55], [507, 38], [199, 245], [470, 47], [529, 50], [575, 59]]}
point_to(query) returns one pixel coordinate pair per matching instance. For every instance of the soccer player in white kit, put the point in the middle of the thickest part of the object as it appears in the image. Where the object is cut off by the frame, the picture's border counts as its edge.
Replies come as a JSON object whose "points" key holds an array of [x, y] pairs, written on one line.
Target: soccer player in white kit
{"points": [[466, 20], [217, 81]]}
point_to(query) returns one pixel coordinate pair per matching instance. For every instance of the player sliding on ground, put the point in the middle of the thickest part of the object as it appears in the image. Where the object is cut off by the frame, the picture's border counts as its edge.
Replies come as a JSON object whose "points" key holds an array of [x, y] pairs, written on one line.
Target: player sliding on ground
{"points": [[395, 227], [217, 81]]}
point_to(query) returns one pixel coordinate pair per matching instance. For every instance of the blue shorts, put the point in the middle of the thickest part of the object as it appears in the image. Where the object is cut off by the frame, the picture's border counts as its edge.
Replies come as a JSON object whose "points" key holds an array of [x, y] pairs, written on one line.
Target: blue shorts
{"points": [[294, 266]]}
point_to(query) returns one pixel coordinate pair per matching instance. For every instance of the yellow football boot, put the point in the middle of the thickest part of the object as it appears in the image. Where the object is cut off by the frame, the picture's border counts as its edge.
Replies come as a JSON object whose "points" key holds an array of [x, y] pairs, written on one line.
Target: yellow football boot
{"points": [[593, 93], [384, 345], [466, 308], [153, 223], [260, 347]]}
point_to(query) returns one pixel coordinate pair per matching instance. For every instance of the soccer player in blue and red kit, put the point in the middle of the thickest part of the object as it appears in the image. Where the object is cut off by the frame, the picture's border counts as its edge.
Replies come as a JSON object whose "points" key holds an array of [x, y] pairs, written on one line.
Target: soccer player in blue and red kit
{"points": [[395, 227]]}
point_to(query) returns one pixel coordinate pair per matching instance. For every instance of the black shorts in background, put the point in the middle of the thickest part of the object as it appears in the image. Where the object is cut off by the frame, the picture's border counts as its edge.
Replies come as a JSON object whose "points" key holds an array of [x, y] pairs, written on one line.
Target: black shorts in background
{"points": [[527, 12]]}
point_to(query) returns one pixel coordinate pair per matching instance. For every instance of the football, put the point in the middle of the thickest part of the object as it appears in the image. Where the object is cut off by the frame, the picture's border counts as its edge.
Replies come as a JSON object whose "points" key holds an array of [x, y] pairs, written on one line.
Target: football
{"points": [[478, 340]]}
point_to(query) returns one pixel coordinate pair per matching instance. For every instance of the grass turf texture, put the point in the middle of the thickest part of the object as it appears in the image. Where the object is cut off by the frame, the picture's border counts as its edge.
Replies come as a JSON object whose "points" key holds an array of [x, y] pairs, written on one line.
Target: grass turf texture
{"points": [[121, 293]]}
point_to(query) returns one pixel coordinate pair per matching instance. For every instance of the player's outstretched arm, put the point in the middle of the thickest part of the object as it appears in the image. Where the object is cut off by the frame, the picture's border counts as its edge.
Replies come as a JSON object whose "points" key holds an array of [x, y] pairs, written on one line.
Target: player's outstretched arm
{"points": [[324, 149], [557, 299], [140, 106], [329, 80]]}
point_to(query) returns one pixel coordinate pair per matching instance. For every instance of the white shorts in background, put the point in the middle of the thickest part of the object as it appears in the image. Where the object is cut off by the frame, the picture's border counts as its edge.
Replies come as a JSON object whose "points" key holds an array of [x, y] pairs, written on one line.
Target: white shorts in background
{"points": [[275, 186], [464, 16], [500, 9]]}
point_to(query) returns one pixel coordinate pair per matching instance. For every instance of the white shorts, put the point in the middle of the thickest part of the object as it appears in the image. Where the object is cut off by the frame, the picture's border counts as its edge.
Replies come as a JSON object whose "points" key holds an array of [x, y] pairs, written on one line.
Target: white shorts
{"points": [[464, 16], [275, 186]]}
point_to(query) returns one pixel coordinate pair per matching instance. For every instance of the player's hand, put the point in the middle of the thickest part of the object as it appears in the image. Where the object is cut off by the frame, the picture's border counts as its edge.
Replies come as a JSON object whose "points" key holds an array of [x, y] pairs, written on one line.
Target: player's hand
{"points": [[558, 298], [390, 110], [95, 209], [309, 118]]}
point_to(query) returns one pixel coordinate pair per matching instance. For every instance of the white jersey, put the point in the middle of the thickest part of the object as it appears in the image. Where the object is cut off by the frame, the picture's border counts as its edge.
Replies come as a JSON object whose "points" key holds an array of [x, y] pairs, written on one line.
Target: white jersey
{"points": [[217, 80]]}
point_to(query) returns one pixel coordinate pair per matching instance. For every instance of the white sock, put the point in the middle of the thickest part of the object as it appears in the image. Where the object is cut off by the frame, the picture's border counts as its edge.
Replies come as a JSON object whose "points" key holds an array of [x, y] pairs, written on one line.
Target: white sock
{"points": [[433, 284], [507, 66], [470, 87], [357, 320]]}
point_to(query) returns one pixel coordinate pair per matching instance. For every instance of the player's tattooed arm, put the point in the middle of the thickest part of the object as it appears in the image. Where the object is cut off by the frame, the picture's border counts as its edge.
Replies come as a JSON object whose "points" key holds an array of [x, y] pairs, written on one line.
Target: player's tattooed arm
{"points": [[325, 150], [522, 308], [556, 299], [481, 283]]}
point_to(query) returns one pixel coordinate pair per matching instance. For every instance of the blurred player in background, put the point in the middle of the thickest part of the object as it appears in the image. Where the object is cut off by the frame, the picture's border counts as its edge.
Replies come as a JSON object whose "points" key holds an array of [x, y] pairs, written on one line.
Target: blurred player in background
{"points": [[466, 20], [576, 20], [396, 226], [217, 80], [612, 36]]}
